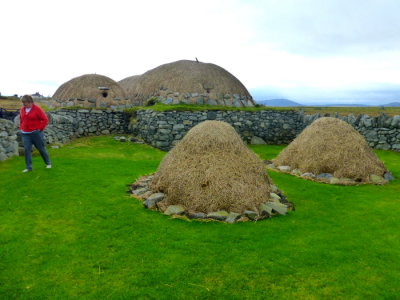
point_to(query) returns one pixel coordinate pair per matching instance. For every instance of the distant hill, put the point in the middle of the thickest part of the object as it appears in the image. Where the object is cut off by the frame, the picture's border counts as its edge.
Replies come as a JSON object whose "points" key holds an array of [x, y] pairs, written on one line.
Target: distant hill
{"points": [[344, 105], [392, 104], [279, 102]]}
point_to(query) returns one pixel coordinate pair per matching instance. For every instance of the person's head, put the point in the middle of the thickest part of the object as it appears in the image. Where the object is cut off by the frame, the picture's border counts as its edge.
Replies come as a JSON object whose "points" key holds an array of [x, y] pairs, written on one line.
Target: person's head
{"points": [[27, 100]]}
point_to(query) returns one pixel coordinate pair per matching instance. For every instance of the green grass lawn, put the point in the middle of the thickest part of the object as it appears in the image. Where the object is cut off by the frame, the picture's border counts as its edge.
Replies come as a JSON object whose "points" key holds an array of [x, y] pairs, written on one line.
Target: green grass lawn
{"points": [[72, 232]]}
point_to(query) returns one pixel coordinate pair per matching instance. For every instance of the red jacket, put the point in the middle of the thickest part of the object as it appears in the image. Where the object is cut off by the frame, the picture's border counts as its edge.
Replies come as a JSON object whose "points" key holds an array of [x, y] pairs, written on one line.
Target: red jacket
{"points": [[36, 119]]}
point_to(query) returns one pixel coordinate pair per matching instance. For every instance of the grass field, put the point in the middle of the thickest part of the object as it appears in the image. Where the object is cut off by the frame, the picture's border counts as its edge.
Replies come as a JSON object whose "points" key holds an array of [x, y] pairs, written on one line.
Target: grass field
{"points": [[72, 232]]}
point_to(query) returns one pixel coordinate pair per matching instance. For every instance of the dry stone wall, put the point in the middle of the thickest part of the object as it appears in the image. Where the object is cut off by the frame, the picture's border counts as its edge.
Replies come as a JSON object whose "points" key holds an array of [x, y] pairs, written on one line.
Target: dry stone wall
{"points": [[67, 124], [164, 129], [8, 140]]}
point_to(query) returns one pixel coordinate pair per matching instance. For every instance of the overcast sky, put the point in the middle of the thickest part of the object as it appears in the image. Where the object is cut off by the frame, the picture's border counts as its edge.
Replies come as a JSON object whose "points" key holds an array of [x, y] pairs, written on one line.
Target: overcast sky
{"points": [[305, 50]]}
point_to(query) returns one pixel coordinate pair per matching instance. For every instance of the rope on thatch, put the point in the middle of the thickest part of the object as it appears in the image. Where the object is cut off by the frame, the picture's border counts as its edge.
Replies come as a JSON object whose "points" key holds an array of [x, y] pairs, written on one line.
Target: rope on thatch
{"points": [[330, 145], [211, 169]]}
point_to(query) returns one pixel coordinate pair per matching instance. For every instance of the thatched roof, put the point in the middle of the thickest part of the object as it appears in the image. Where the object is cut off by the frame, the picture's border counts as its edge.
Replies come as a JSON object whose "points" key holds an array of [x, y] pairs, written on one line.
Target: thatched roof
{"points": [[330, 145], [90, 86], [211, 169], [185, 76]]}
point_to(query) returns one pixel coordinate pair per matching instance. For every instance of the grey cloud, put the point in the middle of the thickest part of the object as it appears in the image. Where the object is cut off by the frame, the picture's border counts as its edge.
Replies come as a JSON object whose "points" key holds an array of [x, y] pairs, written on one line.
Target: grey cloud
{"points": [[328, 27]]}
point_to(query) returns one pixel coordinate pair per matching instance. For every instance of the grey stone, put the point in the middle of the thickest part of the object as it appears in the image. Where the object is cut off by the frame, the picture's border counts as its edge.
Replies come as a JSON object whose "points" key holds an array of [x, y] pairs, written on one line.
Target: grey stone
{"points": [[334, 180], [377, 179], [3, 156], [167, 101], [211, 115], [296, 172], [284, 168], [324, 176], [140, 191], [152, 200], [308, 174], [218, 215], [265, 209], [255, 140], [178, 127], [388, 176], [232, 217], [252, 215], [278, 207], [174, 210], [200, 101], [197, 215], [395, 122], [275, 197]]}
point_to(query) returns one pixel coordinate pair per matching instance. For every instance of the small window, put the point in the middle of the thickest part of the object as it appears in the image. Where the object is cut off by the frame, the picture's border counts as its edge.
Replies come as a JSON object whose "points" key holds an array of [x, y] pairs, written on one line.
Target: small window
{"points": [[105, 94]]}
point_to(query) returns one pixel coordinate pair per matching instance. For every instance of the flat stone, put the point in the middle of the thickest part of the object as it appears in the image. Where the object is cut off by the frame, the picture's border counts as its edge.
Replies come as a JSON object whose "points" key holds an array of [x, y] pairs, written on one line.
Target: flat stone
{"points": [[265, 209], [275, 197], [218, 215], [152, 200], [347, 181], [334, 180], [255, 140], [157, 197], [308, 174], [174, 210], [377, 179], [196, 215], [252, 215], [232, 217], [278, 207], [139, 191], [325, 176], [296, 172], [284, 168]]}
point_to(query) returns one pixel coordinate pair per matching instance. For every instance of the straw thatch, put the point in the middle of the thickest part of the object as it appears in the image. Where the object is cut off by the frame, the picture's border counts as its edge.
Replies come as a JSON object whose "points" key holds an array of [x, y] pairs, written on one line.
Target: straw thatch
{"points": [[330, 145], [185, 77], [90, 88], [211, 169]]}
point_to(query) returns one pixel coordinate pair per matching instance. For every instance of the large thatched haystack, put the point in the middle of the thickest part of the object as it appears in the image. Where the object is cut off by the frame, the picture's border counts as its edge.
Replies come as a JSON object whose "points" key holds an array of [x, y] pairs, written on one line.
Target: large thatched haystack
{"points": [[211, 169], [331, 147], [189, 82], [91, 90]]}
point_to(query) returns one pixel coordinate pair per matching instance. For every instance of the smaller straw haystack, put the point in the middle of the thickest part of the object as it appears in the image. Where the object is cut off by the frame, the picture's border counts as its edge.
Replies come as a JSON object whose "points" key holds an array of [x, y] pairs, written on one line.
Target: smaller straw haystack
{"points": [[211, 170], [331, 150], [190, 82], [90, 90]]}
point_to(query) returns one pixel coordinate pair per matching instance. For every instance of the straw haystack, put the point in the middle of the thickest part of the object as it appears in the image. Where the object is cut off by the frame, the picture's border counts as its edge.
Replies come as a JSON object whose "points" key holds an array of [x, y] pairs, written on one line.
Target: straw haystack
{"points": [[333, 151], [211, 169], [91, 90], [188, 82]]}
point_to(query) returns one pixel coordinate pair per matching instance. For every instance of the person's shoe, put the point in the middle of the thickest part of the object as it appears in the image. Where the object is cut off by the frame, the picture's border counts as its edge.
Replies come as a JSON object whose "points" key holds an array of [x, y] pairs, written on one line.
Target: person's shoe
{"points": [[48, 167], [26, 170]]}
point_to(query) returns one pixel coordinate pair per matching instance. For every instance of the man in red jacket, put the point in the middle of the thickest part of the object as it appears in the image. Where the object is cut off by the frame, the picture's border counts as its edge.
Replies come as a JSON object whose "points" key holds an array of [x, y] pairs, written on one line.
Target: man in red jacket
{"points": [[33, 121]]}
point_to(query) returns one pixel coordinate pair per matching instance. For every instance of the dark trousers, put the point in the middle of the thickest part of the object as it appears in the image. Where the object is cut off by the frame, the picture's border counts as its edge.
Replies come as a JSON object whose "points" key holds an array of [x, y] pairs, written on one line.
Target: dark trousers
{"points": [[35, 138]]}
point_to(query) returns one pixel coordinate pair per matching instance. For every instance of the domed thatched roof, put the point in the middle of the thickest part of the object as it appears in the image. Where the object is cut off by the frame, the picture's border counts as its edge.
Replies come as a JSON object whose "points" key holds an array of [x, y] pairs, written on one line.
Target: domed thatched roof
{"points": [[211, 169], [332, 146], [90, 90], [190, 82]]}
